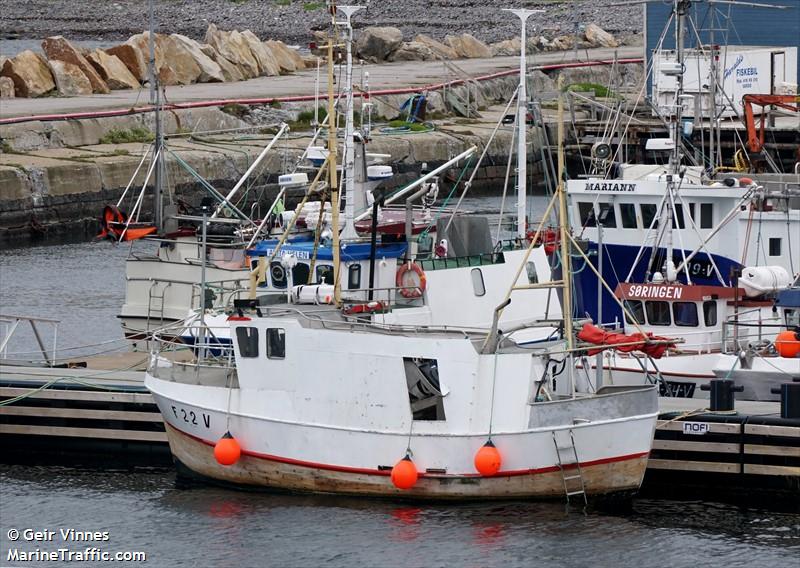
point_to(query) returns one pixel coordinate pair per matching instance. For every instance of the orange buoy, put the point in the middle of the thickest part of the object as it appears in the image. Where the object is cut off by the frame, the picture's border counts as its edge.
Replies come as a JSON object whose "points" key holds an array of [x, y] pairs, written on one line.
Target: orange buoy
{"points": [[487, 460], [227, 450], [404, 473], [787, 344]]}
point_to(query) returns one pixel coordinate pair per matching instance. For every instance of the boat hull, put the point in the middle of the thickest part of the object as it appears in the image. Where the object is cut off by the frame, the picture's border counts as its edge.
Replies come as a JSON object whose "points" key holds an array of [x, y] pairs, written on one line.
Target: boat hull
{"points": [[621, 475]]}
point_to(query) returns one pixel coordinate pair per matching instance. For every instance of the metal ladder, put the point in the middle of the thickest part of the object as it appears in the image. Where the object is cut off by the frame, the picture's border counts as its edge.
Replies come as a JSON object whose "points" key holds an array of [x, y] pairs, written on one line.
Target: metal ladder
{"points": [[153, 309], [568, 456]]}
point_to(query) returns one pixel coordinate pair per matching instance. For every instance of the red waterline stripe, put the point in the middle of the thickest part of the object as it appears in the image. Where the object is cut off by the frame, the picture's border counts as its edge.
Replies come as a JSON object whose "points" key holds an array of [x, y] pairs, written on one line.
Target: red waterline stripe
{"points": [[303, 98], [366, 471]]}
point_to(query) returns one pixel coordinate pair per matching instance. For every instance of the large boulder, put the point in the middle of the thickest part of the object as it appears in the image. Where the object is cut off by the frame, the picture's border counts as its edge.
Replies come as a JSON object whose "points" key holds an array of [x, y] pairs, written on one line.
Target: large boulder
{"points": [[181, 63], [30, 74], [506, 47], [233, 47], [288, 59], [6, 88], [70, 79], [112, 70], [141, 42], [267, 63], [378, 43], [441, 50], [563, 43], [132, 58], [467, 46], [230, 72], [210, 70], [598, 37], [59, 49], [414, 51]]}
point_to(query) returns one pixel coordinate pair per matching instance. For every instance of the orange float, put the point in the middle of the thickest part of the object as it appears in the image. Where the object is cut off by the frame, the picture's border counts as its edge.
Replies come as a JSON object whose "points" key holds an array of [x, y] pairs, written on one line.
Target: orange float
{"points": [[787, 344], [404, 473], [227, 450], [487, 460]]}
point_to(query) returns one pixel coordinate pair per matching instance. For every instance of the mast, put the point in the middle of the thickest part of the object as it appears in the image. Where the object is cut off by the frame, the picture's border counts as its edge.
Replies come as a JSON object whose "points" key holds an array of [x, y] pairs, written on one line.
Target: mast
{"points": [[566, 263], [332, 181], [522, 115], [155, 101], [349, 230]]}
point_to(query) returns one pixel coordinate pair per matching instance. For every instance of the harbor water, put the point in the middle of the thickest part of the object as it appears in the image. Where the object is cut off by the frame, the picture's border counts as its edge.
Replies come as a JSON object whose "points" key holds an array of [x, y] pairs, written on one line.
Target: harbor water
{"points": [[82, 285]]}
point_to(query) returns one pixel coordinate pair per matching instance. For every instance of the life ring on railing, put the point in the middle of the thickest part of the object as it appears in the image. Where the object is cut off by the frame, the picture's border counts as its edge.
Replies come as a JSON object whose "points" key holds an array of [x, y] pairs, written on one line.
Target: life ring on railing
{"points": [[404, 274], [368, 308]]}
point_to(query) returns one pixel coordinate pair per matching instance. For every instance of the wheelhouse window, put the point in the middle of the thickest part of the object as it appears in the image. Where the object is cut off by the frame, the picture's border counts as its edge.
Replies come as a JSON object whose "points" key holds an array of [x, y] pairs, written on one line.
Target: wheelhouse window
{"points": [[477, 282], [678, 217], [627, 214], [710, 313], [607, 217], [278, 274], [658, 313], [636, 309], [685, 314], [300, 273], [775, 247], [649, 215], [706, 215], [324, 274], [247, 339], [586, 214], [424, 391], [354, 277], [276, 343]]}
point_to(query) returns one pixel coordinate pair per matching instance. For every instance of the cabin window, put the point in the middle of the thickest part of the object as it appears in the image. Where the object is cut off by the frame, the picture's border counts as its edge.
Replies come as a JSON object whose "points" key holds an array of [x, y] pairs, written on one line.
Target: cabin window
{"points": [[354, 277], [636, 310], [424, 392], [691, 211], [276, 343], [685, 314], [530, 268], [477, 282], [678, 216], [710, 313], [247, 339], [627, 213], [278, 274], [706, 215], [775, 247], [649, 215], [300, 273], [607, 217], [792, 317], [658, 313], [324, 274], [586, 214]]}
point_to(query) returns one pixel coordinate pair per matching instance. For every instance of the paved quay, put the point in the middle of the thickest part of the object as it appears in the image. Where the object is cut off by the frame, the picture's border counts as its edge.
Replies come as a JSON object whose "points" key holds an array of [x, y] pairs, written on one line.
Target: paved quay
{"points": [[381, 77]]}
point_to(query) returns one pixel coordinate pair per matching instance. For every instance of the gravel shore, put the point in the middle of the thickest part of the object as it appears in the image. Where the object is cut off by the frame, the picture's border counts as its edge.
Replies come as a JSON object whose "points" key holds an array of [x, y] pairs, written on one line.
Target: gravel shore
{"points": [[291, 21]]}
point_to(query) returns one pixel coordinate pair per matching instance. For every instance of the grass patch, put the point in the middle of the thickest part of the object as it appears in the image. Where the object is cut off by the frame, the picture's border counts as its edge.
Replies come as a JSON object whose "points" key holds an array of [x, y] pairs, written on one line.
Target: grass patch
{"points": [[311, 6], [120, 152], [599, 90], [275, 104], [6, 148], [126, 135], [282, 2]]}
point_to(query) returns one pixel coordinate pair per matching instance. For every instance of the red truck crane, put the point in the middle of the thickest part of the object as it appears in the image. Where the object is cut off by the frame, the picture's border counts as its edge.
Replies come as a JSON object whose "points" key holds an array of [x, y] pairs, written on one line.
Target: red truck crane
{"points": [[755, 137]]}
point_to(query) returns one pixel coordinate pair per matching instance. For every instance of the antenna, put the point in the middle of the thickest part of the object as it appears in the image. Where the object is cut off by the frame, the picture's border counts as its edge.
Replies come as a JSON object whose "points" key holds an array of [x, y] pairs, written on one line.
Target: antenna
{"points": [[349, 230], [522, 120]]}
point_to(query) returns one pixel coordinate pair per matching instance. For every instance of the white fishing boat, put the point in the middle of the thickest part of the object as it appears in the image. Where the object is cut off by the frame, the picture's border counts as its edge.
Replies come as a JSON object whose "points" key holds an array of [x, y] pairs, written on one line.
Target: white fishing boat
{"points": [[326, 398], [712, 320]]}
